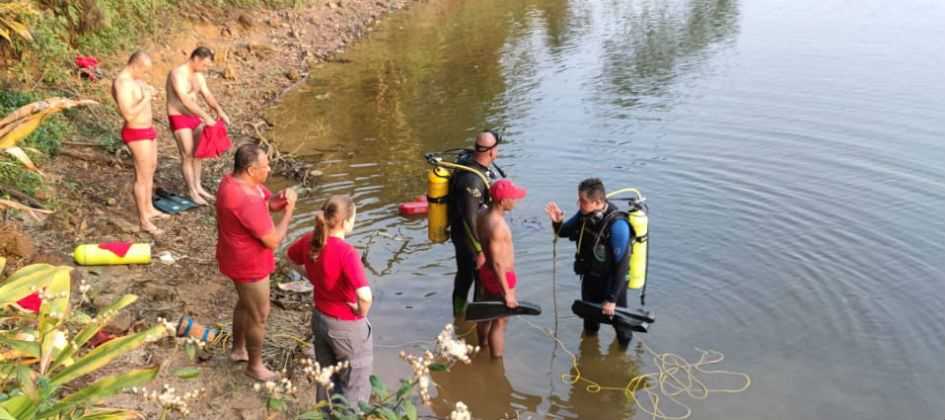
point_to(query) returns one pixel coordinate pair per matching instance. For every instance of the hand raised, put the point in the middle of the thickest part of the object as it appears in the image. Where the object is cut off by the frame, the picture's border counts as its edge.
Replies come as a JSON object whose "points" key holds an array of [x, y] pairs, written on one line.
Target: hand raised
{"points": [[555, 214]]}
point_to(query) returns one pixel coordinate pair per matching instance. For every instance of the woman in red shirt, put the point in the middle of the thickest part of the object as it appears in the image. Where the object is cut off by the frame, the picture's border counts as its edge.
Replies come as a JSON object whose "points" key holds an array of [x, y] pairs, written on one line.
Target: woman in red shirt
{"points": [[342, 298]]}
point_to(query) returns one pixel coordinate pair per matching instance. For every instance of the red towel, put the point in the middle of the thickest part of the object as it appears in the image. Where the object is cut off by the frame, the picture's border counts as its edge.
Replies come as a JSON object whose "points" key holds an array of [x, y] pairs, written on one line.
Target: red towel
{"points": [[119, 248], [214, 141], [84, 62], [88, 65]]}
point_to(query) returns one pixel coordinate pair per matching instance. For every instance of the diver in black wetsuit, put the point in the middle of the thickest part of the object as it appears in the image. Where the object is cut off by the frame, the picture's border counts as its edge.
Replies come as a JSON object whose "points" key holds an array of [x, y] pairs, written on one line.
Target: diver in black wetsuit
{"points": [[468, 194], [603, 234]]}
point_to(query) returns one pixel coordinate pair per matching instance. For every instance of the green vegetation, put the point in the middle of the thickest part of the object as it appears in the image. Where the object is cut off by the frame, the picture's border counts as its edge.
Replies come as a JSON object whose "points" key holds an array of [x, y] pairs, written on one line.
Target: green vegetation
{"points": [[48, 137], [41, 38], [448, 350], [46, 367], [45, 141]]}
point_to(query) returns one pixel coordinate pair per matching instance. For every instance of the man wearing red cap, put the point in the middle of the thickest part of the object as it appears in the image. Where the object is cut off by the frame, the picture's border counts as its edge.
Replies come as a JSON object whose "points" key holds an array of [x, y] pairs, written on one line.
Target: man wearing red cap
{"points": [[497, 276]]}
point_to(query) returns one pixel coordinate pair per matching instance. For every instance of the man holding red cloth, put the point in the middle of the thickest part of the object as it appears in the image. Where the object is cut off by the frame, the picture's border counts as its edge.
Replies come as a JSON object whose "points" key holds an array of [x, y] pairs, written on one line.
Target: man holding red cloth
{"points": [[187, 118], [246, 239]]}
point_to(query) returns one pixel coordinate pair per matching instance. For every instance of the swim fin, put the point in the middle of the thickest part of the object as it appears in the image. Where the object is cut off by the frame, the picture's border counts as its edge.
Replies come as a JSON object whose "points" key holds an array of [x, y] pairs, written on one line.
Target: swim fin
{"points": [[171, 203], [622, 317], [489, 310]]}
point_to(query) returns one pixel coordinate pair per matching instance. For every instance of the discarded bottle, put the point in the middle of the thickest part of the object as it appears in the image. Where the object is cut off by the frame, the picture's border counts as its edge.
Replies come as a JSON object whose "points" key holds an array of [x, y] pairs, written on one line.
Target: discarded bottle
{"points": [[187, 327]]}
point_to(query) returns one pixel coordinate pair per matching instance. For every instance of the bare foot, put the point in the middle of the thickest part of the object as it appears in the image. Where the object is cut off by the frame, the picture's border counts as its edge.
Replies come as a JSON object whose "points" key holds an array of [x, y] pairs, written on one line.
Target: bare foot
{"points": [[239, 356], [157, 214], [152, 230], [260, 373], [197, 199], [206, 195]]}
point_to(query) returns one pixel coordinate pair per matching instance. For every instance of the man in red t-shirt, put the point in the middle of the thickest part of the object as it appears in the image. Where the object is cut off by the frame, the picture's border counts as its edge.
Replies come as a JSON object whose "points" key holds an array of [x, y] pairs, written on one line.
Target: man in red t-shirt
{"points": [[246, 237]]}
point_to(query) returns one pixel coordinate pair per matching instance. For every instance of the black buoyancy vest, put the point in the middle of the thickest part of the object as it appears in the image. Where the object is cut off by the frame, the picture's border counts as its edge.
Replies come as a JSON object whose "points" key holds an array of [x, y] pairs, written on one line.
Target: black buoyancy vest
{"points": [[594, 255], [457, 189]]}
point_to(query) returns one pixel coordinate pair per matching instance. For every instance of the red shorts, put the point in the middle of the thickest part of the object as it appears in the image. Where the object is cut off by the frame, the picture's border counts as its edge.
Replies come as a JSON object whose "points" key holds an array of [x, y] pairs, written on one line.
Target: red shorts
{"points": [[184, 122], [129, 135], [244, 280], [490, 281]]}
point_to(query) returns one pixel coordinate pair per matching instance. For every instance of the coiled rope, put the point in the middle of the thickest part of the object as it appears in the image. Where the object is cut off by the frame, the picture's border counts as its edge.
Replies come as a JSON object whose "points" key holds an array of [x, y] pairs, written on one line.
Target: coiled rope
{"points": [[674, 374]]}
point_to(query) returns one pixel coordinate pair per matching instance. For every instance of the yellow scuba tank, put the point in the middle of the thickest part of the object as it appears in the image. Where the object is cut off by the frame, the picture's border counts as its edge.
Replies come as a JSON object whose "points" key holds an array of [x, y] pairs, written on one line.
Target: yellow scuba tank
{"points": [[91, 254], [636, 216], [438, 188], [636, 278]]}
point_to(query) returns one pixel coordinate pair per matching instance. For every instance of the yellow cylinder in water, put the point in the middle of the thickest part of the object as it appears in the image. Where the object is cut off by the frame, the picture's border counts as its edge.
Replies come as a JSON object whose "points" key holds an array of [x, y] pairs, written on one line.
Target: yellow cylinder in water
{"points": [[636, 278], [438, 188], [91, 254]]}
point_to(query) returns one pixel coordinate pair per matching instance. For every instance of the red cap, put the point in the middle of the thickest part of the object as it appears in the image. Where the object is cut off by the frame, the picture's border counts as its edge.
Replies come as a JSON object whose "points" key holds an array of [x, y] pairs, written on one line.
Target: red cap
{"points": [[504, 189]]}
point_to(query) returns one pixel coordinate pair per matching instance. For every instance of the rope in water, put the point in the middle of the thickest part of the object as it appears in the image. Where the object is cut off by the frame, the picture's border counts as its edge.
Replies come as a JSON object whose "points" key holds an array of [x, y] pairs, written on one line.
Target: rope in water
{"points": [[674, 376]]}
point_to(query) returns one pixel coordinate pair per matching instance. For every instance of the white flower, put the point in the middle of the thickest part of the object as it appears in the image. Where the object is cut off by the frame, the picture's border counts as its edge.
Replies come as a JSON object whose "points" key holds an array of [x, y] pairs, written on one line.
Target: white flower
{"points": [[460, 412], [59, 341]]}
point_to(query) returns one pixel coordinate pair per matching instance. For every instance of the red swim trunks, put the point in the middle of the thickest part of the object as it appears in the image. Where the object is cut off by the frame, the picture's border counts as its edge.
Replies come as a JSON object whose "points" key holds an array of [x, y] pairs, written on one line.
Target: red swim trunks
{"points": [[490, 281], [129, 135], [184, 122]]}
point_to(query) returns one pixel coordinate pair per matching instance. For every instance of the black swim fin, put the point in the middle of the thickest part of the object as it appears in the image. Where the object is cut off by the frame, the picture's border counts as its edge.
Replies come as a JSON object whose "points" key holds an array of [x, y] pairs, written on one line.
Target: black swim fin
{"points": [[489, 310], [171, 203], [622, 317]]}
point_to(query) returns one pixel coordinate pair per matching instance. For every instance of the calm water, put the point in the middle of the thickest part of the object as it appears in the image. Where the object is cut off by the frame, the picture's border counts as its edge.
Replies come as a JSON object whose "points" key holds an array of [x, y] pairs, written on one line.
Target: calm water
{"points": [[792, 154]]}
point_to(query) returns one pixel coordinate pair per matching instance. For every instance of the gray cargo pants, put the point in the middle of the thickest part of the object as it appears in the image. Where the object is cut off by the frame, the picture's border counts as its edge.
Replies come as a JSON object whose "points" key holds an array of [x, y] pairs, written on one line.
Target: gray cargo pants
{"points": [[338, 340]]}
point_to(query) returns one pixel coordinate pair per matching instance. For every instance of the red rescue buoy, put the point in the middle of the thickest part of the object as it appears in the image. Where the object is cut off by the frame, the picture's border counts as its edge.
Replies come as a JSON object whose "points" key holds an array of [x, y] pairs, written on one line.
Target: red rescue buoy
{"points": [[414, 208]]}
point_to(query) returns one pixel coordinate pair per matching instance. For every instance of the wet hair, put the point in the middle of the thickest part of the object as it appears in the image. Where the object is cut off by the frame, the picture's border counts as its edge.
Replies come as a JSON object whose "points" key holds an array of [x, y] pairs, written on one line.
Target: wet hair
{"points": [[593, 188], [202, 52], [245, 156], [336, 210], [137, 57]]}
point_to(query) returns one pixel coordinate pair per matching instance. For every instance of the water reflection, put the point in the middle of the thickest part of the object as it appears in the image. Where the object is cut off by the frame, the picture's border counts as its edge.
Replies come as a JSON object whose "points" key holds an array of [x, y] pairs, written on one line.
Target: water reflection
{"points": [[764, 160], [612, 368], [414, 90], [483, 385], [650, 42]]}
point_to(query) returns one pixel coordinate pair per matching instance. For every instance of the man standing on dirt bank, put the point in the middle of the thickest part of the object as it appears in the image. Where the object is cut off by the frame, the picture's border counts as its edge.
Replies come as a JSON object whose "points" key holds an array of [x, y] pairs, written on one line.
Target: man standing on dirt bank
{"points": [[468, 194], [246, 238], [187, 118], [133, 96]]}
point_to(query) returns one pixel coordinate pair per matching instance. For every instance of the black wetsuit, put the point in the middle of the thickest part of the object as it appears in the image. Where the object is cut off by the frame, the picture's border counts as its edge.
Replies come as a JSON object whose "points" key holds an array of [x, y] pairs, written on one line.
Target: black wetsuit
{"points": [[602, 261], [468, 194]]}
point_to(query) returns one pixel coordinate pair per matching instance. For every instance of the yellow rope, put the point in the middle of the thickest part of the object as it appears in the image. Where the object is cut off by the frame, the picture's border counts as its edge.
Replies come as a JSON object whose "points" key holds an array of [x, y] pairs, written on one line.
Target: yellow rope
{"points": [[674, 376]]}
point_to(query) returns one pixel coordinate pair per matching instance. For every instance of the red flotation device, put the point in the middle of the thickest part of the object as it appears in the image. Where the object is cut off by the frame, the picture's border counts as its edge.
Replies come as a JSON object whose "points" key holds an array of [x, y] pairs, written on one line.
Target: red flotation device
{"points": [[414, 208]]}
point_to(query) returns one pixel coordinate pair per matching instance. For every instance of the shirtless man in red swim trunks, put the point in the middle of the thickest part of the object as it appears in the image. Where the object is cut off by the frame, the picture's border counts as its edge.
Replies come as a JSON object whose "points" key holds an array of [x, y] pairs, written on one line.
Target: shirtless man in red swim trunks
{"points": [[133, 96], [497, 276], [187, 118]]}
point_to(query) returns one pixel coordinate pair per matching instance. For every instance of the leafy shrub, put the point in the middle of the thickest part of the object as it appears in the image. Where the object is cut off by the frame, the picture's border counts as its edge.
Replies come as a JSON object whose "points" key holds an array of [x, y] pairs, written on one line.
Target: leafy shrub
{"points": [[48, 137], [45, 358]]}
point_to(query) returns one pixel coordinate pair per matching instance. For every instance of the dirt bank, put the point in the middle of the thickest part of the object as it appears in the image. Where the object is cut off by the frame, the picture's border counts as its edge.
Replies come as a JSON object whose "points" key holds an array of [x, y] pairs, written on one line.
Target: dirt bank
{"points": [[260, 54]]}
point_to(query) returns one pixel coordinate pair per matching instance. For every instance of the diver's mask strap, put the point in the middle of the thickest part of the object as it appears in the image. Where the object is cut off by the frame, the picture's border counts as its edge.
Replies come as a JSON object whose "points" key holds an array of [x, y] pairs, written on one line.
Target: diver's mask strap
{"points": [[496, 136]]}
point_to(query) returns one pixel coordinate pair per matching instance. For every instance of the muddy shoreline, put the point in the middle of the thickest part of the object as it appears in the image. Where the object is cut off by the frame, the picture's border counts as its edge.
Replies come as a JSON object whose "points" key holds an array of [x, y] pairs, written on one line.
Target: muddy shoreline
{"points": [[260, 55]]}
